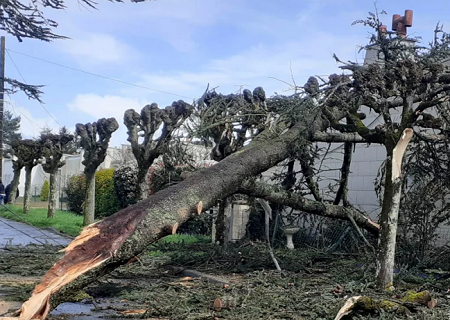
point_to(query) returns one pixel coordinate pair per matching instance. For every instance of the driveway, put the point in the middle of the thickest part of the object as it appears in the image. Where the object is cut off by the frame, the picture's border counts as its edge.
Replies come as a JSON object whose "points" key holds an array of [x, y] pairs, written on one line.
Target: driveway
{"points": [[14, 233]]}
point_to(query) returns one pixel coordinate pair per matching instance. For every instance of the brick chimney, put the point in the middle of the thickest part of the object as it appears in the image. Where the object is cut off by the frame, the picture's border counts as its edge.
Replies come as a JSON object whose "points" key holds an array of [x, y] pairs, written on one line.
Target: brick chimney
{"points": [[399, 26]]}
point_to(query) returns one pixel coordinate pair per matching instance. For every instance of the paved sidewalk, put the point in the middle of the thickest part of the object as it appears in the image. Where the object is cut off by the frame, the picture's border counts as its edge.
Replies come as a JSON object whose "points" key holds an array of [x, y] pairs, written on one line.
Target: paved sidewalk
{"points": [[14, 233]]}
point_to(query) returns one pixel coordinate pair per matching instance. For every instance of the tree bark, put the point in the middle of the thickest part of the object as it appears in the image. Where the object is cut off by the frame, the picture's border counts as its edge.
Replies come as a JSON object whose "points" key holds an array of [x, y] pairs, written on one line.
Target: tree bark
{"points": [[308, 173], [341, 194], [27, 192], [14, 186], [52, 194], [220, 222], [142, 183], [89, 202], [389, 212]]}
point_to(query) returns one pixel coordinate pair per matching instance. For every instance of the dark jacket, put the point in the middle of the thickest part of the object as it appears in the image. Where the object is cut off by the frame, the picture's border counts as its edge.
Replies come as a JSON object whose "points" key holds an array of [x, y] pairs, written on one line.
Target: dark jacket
{"points": [[8, 191], [2, 188]]}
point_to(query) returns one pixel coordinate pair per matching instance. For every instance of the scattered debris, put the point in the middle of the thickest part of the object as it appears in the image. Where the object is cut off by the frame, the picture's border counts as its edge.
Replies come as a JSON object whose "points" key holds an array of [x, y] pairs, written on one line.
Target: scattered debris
{"points": [[204, 281]]}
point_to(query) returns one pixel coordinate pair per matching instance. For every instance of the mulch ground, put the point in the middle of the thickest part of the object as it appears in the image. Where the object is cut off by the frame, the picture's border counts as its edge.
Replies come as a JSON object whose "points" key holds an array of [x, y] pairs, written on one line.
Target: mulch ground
{"points": [[312, 285]]}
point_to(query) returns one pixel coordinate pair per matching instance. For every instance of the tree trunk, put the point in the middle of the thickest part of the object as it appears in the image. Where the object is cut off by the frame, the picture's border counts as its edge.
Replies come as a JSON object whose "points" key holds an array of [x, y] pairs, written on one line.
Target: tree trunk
{"points": [[104, 246], [89, 202], [14, 186], [389, 212], [57, 189], [220, 222], [142, 183], [341, 194], [27, 192], [52, 194]]}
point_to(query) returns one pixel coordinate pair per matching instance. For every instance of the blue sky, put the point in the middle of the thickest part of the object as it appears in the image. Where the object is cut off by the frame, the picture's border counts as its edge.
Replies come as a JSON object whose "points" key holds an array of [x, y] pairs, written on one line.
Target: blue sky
{"points": [[179, 46]]}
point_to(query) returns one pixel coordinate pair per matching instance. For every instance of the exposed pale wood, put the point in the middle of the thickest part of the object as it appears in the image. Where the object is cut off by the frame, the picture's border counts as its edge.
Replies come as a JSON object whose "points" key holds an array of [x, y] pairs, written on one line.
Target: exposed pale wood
{"points": [[399, 151]]}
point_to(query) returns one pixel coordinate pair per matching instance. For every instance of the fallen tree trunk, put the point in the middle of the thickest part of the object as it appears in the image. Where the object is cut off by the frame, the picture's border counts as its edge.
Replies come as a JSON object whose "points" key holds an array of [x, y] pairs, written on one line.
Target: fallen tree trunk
{"points": [[278, 195], [104, 246]]}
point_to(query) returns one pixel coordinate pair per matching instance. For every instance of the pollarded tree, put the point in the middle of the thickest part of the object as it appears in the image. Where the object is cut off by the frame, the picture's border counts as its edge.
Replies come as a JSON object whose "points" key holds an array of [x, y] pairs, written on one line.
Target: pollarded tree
{"points": [[52, 152], [144, 126], [94, 139], [409, 79], [28, 154]]}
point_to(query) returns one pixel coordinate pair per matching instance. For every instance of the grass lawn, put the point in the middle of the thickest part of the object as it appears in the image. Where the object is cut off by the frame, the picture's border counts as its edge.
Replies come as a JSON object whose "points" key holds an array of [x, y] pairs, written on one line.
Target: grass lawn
{"points": [[72, 224], [185, 238], [64, 221]]}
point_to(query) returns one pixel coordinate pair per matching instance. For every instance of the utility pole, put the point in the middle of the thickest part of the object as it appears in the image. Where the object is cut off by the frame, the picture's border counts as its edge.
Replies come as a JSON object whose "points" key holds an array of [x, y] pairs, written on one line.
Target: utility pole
{"points": [[2, 99]]}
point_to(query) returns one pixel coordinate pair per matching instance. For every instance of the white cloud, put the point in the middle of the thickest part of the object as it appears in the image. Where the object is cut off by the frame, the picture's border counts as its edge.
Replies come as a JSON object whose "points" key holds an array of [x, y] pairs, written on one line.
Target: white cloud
{"points": [[106, 106], [256, 66], [172, 21], [98, 49]]}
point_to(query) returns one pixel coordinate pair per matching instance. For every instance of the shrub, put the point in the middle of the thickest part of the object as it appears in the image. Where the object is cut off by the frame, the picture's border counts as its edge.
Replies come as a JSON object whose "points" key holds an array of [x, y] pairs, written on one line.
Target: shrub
{"points": [[106, 202], [161, 178], [199, 225], [125, 185], [45, 191], [76, 192]]}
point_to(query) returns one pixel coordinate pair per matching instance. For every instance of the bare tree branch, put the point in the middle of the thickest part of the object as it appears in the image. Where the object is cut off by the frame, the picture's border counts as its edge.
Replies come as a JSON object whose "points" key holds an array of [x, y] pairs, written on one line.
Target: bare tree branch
{"points": [[278, 195]]}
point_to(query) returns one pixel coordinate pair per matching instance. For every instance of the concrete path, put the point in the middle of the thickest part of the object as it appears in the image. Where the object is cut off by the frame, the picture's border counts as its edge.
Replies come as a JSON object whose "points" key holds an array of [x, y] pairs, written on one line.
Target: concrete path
{"points": [[14, 233]]}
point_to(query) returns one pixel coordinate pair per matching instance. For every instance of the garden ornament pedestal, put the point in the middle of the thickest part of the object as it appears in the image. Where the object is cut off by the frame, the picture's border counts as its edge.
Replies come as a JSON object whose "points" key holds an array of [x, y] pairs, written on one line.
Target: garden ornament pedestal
{"points": [[289, 232]]}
